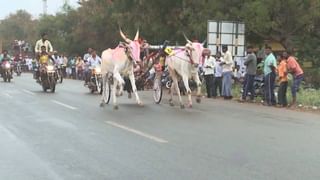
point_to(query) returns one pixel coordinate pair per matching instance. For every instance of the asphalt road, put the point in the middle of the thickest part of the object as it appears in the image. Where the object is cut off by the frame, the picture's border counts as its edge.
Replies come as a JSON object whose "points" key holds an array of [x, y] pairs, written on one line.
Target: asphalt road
{"points": [[66, 135]]}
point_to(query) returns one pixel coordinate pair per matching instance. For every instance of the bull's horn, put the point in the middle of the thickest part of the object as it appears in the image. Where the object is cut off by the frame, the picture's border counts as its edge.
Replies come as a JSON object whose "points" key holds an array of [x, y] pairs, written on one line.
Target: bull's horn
{"points": [[186, 38], [204, 42], [124, 37], [137, 36]]}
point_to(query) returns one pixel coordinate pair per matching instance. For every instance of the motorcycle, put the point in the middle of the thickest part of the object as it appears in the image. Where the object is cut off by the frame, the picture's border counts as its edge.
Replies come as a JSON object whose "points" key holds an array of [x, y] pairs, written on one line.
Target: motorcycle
{"points": [[17, 68], [48, 77], [258, 85], [95, 83], [35, 69], [165, 79], [6, 71], [59, 73]]}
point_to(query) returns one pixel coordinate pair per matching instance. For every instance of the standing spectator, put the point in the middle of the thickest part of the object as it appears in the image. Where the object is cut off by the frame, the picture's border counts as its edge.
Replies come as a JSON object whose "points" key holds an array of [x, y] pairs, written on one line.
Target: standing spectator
{"points": [[227, 65], [217, 80], [80, 65], [297, 73], [72, 67], [251, 70], [283, 79], [208, 68], [64, 67], [269, 70]]}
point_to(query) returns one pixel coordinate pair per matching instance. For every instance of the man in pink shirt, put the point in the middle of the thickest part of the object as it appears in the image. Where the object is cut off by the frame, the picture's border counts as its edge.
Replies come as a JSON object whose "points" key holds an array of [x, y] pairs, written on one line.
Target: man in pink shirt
{"points": [[297, 73]]}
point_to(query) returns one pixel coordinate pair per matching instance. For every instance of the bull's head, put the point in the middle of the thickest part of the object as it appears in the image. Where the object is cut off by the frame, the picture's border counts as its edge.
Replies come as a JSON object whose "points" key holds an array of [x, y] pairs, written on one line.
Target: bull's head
{"points": [[133, 46], [194, 50]]}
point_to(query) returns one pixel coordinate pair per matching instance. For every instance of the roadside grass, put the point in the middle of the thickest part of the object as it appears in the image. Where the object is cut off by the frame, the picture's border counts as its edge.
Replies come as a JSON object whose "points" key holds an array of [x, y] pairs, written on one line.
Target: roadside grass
{"points": [[305, 97]]}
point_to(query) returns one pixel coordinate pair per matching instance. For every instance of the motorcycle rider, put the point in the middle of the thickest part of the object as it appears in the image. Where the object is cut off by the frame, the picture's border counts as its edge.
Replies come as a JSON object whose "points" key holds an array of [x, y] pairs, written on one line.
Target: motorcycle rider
{"points": [[17, 60], [86, 66], [42, 49], [43, 59], [4, 57], [43, 42], [93, 61]]}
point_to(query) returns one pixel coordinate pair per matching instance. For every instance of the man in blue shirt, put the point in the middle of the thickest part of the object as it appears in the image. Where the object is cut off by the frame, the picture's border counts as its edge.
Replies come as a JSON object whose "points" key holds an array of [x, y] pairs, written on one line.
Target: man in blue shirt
{"points": [[269, 70]]}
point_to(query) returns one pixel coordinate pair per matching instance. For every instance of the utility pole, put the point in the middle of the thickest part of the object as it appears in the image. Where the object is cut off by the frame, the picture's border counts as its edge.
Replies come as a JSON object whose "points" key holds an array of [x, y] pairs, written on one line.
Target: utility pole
{"points": [[66, 2], [45, 7]]}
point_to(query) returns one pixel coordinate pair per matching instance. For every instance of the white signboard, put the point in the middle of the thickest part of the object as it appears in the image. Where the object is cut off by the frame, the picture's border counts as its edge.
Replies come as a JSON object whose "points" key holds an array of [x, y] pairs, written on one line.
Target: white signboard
{"points": [[226, 33]]}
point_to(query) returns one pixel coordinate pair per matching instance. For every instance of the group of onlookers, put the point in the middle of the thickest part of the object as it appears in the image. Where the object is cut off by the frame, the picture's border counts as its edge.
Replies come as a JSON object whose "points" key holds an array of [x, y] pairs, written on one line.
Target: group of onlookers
{"points": [[76, 67], [218, 73]]}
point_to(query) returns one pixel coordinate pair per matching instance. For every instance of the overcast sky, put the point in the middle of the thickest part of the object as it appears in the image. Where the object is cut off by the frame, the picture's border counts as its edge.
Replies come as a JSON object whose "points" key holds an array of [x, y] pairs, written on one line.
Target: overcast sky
{"points": [[34, 7]]}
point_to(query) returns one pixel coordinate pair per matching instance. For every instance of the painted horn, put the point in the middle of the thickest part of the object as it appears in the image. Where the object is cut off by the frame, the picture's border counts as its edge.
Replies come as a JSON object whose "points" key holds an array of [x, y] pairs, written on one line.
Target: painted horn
{"points": [[124, 37], [204, 42], [186, 38], [137, 35]]}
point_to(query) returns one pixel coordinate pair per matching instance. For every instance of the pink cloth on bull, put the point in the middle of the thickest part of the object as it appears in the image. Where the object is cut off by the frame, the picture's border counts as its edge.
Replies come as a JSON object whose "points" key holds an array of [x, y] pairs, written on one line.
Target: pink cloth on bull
{"points": [[118, 52]]}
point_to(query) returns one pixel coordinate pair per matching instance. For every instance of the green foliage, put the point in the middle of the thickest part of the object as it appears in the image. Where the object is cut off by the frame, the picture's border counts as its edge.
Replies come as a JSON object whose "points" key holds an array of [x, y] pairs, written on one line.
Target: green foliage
{"points": [[293, 23], [18, 26]]}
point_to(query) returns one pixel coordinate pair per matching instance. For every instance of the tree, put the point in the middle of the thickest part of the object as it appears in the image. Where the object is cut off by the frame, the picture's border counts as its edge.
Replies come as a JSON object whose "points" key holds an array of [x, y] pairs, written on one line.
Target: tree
{"points": [[17, 26]]}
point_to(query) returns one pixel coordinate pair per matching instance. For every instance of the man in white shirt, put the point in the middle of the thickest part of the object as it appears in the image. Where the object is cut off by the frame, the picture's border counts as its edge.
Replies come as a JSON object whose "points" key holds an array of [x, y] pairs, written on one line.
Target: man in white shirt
{"points": [[208, 69], [93, 61], [43, 42], [86, 65], [217, 81], [58, 60], [227, 67]]}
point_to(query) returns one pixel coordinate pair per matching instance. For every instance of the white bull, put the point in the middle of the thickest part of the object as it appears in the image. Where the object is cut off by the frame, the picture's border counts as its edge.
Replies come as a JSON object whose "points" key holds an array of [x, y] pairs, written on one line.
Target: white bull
{"points": [[185, 62], [119, 62]]}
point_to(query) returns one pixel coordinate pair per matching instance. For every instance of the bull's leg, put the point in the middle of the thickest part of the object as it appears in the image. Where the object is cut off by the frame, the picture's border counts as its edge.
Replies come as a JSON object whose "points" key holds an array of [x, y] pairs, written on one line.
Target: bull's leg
{"points": [[176, 85], [114, 94], [120, 80], [185, 80], [104, 89], [171, 93], [197, 79], [134, 88]]}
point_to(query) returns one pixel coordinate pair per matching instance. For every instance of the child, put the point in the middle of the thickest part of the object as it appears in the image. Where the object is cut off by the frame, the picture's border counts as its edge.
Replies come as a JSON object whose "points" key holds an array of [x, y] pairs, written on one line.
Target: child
{"points": [[283, 73]]}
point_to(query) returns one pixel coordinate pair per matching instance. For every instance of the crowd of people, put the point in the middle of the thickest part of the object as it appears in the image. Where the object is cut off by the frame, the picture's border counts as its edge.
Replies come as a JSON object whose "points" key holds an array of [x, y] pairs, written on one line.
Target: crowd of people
{"points": [[275, 69], [218, 71]]}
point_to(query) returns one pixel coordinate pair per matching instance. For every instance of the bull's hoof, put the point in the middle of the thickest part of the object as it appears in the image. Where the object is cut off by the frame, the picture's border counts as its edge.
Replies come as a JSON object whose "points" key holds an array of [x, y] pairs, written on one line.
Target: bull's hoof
{"points": [[116, 107], [181, 106], [102, 104], [140, 104], [129, 95], [198, 100], [171, 103], [189, 105]]}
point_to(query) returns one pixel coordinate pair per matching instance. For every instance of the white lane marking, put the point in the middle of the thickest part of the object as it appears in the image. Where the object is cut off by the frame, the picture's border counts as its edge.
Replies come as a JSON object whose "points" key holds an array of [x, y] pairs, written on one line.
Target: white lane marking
{"points": [[28, 92], [7, 95], [156, 139], [64, 105]]}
